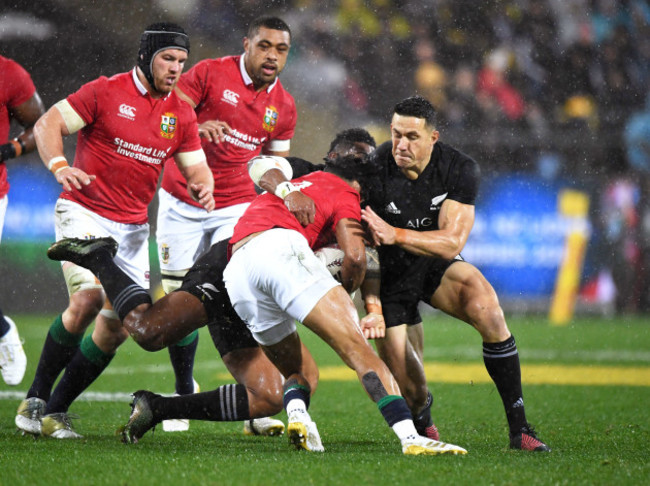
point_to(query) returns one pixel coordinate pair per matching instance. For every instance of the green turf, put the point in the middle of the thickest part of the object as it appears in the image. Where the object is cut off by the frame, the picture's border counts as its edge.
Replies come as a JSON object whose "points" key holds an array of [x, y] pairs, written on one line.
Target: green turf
{"points": [[599, 434]]}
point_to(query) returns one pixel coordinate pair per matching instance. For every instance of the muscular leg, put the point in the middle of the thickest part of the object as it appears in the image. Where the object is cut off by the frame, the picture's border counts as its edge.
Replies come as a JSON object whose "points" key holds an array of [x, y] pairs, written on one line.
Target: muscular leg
{"points": [[465, 294]]}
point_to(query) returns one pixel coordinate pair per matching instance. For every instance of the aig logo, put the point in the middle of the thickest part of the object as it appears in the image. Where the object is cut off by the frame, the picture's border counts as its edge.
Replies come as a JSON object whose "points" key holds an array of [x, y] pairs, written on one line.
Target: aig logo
{"points": [[127, 111], [230, 97], [419, 223]]}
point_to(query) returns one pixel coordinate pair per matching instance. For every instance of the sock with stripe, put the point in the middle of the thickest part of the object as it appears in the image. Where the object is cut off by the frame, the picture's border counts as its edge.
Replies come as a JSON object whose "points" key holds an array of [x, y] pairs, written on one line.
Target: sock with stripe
{"points": [[59, 348], [181, 356], [502, 364], [296, 397], [85, 367], [397, 415], [228, 403]]}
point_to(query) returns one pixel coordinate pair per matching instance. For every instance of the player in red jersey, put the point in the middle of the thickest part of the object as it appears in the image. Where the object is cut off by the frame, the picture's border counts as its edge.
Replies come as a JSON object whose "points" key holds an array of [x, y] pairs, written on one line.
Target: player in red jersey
{"points": [[243, 110], [127, 125], [274, 279], [18, 101]]}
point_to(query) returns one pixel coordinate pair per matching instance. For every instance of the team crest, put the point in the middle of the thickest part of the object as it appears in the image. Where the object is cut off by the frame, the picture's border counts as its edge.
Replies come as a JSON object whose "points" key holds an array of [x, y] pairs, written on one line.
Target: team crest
{"points": [[164, 253], [168, 125], [270, 118]]}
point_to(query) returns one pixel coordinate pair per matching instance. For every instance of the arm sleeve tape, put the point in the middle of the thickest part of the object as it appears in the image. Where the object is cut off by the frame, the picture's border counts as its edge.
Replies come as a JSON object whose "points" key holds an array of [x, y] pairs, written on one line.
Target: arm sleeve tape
{"points": [[260, 165], [71, 118]]}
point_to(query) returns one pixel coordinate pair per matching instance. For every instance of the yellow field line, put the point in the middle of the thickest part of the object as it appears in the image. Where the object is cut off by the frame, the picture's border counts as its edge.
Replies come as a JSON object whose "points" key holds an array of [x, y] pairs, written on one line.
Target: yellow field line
{"points": [[531, 374]]}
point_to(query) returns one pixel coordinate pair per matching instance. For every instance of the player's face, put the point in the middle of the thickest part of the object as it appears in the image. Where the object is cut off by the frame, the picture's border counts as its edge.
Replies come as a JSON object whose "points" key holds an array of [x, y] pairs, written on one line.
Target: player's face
{"points": [[266, 55], [167, 68], [413, 142], [357, 148]]}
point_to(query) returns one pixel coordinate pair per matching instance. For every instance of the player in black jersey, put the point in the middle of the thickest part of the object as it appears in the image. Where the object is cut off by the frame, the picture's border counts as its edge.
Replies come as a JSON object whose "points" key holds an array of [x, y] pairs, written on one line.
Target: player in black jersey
{"points": [[420, 220]]}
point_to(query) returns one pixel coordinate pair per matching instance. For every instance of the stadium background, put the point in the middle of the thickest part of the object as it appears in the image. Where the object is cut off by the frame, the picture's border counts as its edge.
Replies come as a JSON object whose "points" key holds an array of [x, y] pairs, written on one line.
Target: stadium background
{"points": [[547, 95]]}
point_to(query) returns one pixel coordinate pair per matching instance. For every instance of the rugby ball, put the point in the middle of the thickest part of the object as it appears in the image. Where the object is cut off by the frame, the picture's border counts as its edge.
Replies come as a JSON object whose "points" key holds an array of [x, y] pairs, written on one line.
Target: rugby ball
{"points": [[332, 257]]}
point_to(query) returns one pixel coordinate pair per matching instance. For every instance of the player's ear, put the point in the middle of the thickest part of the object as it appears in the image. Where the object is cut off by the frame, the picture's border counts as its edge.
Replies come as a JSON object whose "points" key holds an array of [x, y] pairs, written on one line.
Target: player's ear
{"points": [[246, 43], [435, 135]]}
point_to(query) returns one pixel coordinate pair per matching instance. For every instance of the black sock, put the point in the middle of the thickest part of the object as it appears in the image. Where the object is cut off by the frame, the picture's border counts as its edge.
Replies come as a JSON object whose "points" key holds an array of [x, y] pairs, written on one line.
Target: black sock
{"points": [[59, 348], [181, 356], [4, 325], [423, 419], [123, 293], [228, 403], [294, 390], [502, 363], [84, 368], [394, 409]]}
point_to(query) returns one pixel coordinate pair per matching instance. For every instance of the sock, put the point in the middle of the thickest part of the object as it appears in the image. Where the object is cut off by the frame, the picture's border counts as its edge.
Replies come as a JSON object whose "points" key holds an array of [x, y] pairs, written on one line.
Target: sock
{"points": [[296, 397], [228, 403], [423, 419], [123, 293], [502, 363], [397, 415], [84, 368], [59, 348], [181, 356], [4, 325]]}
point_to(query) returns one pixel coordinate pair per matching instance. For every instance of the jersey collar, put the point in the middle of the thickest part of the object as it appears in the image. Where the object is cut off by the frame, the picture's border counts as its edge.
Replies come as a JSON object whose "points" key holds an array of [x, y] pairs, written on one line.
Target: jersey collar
{"points": [[247, 79], [140, 87]]}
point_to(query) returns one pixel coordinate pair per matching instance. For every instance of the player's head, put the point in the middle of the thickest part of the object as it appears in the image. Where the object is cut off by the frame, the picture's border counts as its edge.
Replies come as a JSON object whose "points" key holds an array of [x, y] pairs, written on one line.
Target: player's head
{"points": [[351, 141], [266, 48], [354, 168], [169, 40], [413, 133]]}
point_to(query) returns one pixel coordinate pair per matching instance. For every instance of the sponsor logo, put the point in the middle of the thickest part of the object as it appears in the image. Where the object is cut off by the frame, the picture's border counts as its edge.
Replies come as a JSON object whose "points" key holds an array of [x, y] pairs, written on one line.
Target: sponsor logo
{"points": [[164, 253], [437, 201], [270, 118], [519, 403], [230, 97], [168, 125], [419, 223], [126, 111], [207, 289], [392, 208]]}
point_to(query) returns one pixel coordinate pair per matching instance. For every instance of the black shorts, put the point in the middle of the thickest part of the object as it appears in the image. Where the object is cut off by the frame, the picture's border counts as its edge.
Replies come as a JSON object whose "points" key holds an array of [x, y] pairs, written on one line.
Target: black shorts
{"points": [[205, 281], [401, 296]]}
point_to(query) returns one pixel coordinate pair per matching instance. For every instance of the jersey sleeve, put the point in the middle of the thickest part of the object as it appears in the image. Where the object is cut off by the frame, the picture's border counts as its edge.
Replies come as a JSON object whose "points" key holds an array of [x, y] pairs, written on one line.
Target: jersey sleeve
{"points": [[193, 82], [191, 139], [20, 88], [464, 180], [86, 100], [302, 167]]}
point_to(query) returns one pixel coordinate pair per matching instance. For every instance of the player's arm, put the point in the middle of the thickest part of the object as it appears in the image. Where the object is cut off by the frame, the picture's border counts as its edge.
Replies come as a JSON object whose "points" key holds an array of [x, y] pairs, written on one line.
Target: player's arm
{"points": [[200, 183], [455, 222], [349, 236], [57, 122], [26, 114], [372, 324], [273, 174]]}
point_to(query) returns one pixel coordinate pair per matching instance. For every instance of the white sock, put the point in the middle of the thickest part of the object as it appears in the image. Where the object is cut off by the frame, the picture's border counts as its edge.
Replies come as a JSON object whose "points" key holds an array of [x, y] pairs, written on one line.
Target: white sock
{"points": [[405, 429]]}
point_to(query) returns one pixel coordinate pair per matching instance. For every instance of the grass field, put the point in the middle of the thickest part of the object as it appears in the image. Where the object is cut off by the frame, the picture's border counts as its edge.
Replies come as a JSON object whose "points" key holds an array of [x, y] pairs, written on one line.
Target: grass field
{"points": [[587, 390]]}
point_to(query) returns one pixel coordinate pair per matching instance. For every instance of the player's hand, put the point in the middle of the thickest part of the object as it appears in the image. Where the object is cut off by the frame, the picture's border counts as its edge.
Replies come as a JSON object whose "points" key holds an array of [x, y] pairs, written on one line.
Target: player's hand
{"points": [[301, 206], [214, 130], [373, 326], [73, 178], [203, 195], [382, 233]]}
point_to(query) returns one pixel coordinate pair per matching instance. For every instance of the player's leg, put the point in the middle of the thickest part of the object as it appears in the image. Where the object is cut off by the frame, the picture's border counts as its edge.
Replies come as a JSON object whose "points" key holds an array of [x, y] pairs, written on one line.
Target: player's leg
{"points": [[467, 295], [61, 344]]}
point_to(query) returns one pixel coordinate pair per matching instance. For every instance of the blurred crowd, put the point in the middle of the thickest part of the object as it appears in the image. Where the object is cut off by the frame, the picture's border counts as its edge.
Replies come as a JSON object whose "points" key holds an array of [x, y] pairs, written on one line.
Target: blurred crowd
{"points": [[558, 87]]}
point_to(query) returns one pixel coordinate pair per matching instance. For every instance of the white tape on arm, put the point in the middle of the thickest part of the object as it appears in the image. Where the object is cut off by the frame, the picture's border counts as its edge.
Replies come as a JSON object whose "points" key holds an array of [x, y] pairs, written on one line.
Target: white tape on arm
{"points": [[283, 189], [71, 118], [260, 165], [188, 159]]}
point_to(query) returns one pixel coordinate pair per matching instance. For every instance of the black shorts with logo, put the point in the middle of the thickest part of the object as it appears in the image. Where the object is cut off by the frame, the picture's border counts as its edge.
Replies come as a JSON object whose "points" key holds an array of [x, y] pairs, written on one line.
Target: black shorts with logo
{"points": [[401, 296], [205, 281]]}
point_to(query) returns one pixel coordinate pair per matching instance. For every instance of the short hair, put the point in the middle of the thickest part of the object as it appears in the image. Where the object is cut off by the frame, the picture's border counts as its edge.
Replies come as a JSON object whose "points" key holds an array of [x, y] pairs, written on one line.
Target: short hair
{"points": [[269, 22], [418, 107], [354, 167], [352, 136]]}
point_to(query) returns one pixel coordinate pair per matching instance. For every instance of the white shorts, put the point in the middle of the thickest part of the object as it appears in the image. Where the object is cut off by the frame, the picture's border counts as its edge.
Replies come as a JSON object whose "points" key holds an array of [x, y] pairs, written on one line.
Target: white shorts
{"points": [[274, 280], [184, 232], [4, 201], [75, 221]]}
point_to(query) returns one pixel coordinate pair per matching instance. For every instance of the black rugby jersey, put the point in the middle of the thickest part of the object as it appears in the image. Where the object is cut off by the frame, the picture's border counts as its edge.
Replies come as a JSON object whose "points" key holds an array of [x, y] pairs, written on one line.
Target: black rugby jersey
{"points": [[415, 204]]}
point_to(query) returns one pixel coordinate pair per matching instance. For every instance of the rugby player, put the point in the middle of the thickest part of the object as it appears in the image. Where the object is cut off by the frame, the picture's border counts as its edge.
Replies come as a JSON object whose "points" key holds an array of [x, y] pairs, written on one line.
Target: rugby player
{"points": [[420, 217], [19, 101], [243, 110], [128, 126]]}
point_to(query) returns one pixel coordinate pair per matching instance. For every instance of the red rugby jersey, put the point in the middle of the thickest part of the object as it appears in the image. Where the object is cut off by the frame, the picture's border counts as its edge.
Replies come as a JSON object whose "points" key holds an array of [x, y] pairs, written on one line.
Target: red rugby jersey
{"points": [[222, 90], [334, 198], [16, 87], [127, 138]]}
